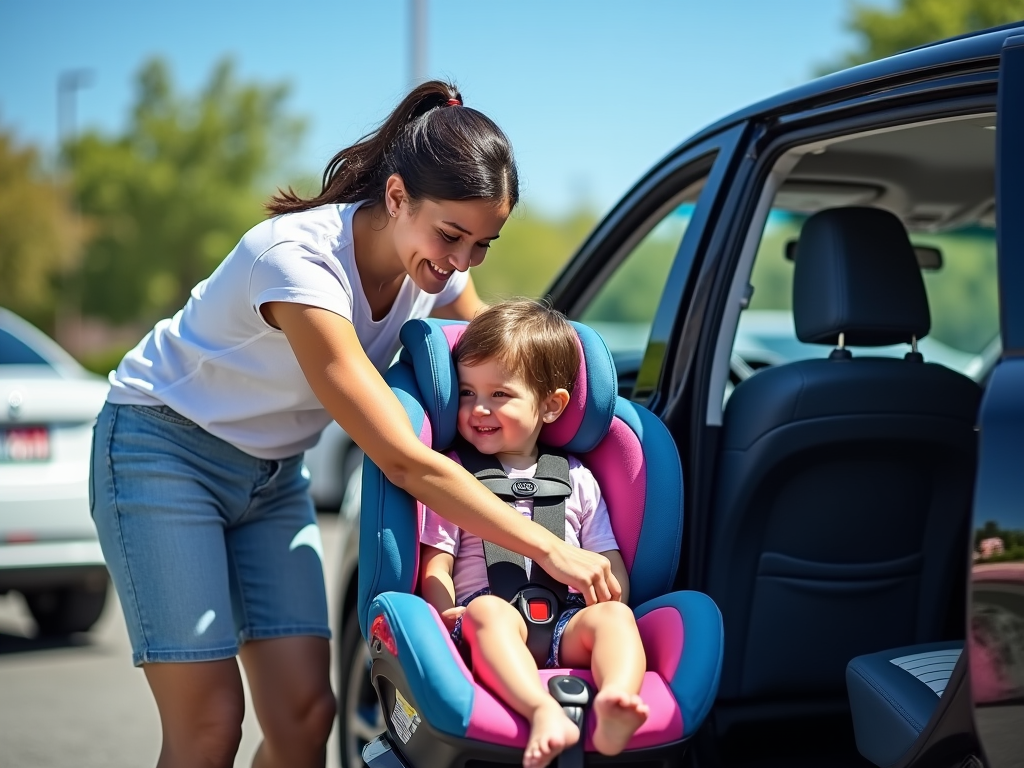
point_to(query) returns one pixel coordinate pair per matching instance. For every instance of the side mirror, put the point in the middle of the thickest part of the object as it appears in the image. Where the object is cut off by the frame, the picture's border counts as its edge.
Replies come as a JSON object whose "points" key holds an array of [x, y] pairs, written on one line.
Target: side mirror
{"points": [[928, 257]]}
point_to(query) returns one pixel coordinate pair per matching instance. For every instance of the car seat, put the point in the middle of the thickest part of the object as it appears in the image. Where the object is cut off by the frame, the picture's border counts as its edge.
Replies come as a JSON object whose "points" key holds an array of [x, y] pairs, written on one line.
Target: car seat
{"points": [[844, 485], [437, 715]]}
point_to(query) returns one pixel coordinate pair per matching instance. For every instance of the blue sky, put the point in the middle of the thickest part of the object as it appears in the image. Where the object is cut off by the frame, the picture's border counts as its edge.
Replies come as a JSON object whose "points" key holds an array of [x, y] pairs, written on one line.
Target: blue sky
{"points": [[591, 92]]}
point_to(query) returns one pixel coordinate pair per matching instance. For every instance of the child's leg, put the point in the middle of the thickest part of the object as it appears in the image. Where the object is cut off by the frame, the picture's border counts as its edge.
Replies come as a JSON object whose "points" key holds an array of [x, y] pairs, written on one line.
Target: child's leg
{"points": [[605, 637], [496, 634]]}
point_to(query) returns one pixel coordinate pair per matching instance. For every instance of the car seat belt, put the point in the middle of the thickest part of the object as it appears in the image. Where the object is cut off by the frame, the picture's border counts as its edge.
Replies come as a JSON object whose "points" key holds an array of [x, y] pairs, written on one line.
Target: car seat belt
{"points": [[538, 597]]}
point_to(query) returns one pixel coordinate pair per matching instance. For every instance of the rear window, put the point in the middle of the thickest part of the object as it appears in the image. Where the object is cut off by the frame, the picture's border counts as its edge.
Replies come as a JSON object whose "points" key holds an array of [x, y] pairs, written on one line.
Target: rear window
{"points": [[13, 351]]}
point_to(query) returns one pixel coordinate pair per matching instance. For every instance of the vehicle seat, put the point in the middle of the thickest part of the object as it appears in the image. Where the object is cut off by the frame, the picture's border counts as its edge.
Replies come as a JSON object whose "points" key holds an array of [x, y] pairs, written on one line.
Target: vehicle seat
{"points": [[893, 695], [437, 715], [843, 489]]}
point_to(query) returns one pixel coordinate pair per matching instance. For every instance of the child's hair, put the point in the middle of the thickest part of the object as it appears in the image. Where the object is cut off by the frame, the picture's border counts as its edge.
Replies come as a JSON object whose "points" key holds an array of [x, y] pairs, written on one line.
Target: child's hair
{"points": [[441, 149], [528, 338]]}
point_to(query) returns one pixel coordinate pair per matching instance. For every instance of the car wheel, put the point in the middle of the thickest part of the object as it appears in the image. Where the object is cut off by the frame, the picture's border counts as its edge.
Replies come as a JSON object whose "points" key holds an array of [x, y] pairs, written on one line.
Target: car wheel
{"points": [[65, 610], [360, 718]]}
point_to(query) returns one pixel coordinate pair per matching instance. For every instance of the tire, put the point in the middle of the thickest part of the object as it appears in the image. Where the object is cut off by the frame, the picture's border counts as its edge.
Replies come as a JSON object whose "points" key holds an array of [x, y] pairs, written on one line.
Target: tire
{"points": [[360, 718], [65, 610]]}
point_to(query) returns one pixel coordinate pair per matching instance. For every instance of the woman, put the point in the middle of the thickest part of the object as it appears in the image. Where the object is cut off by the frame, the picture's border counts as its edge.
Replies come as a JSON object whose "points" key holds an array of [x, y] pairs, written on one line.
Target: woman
{"points": [[197, 486]]}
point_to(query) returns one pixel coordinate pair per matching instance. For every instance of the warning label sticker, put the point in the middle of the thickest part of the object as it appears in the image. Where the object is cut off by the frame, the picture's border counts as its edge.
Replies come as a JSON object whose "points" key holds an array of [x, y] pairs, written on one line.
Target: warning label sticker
{"points": [[404, 718]]}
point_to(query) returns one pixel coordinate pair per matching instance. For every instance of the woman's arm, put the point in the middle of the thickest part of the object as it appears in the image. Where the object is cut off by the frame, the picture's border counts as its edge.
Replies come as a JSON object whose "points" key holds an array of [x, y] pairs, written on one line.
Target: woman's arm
{"points": [[356, 395], [436, 584], [620, 572], [465, 307]]}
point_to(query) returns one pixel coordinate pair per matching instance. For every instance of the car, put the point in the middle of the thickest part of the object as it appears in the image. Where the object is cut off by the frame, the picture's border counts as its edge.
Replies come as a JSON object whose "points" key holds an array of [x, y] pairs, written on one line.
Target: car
{"points": [[49, 550], [848, 407], [331, 464]]}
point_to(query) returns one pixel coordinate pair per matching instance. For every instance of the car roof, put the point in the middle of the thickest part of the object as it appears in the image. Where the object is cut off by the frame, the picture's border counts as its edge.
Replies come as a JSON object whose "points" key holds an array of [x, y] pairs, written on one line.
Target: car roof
{"points": [[982, 47]]}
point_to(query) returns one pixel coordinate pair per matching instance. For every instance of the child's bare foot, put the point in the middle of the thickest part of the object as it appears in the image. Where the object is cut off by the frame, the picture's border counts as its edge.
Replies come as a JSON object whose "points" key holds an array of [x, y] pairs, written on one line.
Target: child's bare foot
{"points": [[618, 716], [550, 733]]}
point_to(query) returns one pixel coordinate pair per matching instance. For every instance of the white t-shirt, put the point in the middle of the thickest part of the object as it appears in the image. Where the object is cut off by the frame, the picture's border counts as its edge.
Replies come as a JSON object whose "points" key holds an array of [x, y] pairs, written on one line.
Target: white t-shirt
{"points": [[220, 364]]}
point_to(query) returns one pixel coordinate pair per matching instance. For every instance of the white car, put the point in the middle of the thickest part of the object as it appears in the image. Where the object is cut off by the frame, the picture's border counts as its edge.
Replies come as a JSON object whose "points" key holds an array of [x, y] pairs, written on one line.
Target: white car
{"points": [[331, 464], [48, 546]]}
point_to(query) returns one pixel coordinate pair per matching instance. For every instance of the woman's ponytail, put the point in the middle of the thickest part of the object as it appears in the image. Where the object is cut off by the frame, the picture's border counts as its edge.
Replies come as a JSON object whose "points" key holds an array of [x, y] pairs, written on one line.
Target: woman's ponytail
{"points": [[441, 150]]}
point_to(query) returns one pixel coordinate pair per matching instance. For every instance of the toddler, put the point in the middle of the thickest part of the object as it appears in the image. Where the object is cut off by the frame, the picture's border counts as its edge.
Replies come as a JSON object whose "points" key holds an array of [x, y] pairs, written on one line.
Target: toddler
{"points": [[517, 363]]}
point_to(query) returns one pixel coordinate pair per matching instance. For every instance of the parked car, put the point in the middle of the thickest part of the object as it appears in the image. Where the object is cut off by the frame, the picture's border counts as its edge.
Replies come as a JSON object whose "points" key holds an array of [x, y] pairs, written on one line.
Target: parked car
{"points": [[831, 490], [48, 546], [331, 464]]}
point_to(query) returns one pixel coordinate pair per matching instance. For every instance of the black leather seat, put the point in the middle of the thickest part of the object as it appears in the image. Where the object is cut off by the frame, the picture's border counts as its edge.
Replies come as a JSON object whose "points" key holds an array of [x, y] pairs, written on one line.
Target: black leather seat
{"points": [[841, 506], [893, 695]]}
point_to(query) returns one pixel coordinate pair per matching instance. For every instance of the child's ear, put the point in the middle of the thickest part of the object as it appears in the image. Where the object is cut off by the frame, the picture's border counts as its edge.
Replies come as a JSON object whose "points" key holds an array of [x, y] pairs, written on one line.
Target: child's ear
{"points": [[553, 405]]}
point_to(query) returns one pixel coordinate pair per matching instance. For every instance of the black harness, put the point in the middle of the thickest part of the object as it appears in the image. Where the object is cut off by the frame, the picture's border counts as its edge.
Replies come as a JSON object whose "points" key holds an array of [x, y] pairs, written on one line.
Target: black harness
{"points": [[538, 597]]}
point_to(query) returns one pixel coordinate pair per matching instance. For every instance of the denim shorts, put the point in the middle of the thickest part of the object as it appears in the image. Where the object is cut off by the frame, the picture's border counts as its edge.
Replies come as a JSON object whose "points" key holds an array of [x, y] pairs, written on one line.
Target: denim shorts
{"points": [[207, 546], [574, 602]]}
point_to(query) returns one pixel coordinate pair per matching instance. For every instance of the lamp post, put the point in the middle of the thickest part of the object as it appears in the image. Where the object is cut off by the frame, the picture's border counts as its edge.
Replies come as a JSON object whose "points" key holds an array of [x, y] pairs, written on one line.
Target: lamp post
{"points": [[67, 317], [417, 42]]}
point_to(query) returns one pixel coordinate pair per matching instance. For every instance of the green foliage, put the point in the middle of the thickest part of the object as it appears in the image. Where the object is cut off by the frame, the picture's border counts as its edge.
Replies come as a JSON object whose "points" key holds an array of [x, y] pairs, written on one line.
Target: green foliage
{"points": [[1013, 542], [169, 199], [38, 239], [882, 32], [632, 293], [529, 253]]}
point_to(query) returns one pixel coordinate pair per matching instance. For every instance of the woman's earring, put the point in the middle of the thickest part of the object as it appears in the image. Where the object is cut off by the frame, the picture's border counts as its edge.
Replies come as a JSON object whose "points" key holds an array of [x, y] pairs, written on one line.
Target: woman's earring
{"points": [[392, 214]]}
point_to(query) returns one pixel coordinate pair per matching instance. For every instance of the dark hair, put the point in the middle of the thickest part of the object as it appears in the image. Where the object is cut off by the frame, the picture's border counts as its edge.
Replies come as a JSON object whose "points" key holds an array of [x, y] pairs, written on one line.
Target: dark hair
{"points": [[530, 339], [441, 149]]}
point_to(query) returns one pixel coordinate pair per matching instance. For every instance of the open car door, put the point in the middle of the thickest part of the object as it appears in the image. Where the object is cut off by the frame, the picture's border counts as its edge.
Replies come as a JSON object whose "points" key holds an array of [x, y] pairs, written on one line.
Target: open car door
{"points": [[995, 635]]}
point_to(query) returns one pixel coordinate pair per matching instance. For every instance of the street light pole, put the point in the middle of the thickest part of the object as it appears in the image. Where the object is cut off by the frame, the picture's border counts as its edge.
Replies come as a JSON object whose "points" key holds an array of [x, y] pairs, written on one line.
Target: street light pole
{"points": [[67, 317], [417, 42]]}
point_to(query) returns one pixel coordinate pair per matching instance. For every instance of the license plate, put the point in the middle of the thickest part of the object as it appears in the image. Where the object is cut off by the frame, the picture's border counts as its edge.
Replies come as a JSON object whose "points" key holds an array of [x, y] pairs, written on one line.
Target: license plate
{"points": [[24, 444]]}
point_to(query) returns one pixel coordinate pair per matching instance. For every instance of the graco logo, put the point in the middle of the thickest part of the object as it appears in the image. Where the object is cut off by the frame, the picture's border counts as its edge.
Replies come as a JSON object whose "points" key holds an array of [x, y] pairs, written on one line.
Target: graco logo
{"points": [[524, 488]]}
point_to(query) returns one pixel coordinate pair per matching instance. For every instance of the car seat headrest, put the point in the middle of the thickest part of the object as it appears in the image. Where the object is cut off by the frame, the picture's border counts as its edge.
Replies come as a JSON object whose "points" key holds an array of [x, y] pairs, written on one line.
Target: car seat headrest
{"points": [[856, 274], [427, 346]]}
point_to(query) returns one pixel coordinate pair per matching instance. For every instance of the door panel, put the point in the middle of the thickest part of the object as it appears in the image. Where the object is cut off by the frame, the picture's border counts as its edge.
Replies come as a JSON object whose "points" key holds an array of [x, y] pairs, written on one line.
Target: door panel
{"points": [[995, 634]]}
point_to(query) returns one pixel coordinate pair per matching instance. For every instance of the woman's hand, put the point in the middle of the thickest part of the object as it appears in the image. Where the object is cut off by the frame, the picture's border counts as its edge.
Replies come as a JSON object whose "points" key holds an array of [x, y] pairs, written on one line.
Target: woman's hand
{"points": [[588, 572]]}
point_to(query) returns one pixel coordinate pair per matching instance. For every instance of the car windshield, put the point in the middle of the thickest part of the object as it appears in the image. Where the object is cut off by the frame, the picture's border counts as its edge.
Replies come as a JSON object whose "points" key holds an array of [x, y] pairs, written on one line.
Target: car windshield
{"points": [[13, 351]]}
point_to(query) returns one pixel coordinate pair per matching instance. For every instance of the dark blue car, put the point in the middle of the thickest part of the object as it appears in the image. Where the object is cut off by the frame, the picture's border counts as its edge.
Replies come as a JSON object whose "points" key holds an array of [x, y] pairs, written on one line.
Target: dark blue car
{"points": [[818, 298]]}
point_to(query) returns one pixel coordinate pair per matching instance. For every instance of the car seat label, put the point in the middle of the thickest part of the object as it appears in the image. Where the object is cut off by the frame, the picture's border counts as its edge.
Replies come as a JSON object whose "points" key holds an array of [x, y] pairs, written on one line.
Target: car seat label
{"points": [[404, 718]]}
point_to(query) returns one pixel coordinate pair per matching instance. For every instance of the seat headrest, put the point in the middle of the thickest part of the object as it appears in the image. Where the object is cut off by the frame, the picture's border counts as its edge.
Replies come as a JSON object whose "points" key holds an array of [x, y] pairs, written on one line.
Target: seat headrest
{"points": [[427, 346], [856, 274]]}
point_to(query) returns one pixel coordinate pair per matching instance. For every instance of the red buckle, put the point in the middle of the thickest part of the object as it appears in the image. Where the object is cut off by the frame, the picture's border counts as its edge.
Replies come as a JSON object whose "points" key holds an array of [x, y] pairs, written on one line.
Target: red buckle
{"points": [[539, 610]]}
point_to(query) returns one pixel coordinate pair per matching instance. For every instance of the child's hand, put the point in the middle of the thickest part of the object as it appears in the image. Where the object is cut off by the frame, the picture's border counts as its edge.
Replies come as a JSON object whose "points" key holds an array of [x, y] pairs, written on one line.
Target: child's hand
{"points": [[450, 616]]}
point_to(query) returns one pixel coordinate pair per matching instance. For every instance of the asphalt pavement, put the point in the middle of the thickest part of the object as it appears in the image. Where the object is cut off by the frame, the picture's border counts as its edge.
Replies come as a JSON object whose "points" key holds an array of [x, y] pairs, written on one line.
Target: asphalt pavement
{"points": [[81, 702]]}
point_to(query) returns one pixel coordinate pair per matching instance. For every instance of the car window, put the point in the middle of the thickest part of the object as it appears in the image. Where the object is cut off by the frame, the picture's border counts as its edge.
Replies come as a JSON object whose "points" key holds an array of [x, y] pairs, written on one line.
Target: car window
{"points": [[623, 309], [962, 297], [13, 351]]}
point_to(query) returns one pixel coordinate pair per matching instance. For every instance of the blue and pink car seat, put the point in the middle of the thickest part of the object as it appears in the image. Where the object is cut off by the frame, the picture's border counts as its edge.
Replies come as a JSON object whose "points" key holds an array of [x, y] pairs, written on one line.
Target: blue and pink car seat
{"points": [[436, 713]]}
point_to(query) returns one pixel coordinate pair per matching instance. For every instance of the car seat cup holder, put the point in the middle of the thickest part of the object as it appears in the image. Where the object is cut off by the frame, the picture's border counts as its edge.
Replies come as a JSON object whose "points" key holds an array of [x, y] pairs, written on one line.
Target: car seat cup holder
{"points": [[575, 696]]}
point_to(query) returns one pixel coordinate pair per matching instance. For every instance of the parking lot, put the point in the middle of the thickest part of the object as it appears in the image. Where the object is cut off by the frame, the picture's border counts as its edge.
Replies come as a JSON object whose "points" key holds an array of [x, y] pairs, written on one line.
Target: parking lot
{"points": [[82, 703]]}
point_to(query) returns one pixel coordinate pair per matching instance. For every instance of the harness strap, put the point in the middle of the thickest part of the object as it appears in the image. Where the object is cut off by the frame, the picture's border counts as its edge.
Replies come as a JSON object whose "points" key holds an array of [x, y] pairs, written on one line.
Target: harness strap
{"points": [[506, 570]]}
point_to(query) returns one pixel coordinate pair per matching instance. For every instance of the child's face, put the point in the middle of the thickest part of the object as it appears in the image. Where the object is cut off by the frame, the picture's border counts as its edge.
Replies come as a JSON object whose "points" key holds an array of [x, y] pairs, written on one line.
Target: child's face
{"points": [[499, 414]]}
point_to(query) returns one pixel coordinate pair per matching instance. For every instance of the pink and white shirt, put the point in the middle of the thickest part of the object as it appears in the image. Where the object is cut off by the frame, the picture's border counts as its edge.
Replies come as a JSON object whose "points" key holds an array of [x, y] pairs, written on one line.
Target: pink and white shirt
{"points": [[587, 525]]}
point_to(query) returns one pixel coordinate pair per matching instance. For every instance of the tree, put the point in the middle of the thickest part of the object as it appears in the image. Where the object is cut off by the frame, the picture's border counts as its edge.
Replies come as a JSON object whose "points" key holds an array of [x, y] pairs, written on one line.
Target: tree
{"points": [[529, 253], [883, 32], [169, 199], [38, 239]]}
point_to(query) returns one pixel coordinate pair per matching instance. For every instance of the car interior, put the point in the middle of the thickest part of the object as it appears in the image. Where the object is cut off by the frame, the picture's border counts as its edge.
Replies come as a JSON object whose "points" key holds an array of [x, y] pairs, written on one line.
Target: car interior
{"points": [[838, 540]]}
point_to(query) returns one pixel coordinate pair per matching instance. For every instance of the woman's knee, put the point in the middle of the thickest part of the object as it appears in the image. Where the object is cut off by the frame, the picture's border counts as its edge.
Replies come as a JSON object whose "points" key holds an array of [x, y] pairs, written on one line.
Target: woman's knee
{"points": [[306, 722], [208, 734]]}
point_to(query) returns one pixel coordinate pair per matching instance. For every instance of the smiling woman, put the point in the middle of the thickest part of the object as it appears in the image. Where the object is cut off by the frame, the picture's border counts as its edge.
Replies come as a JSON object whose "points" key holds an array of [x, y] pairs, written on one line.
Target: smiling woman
{"points": [[211, 538]]}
